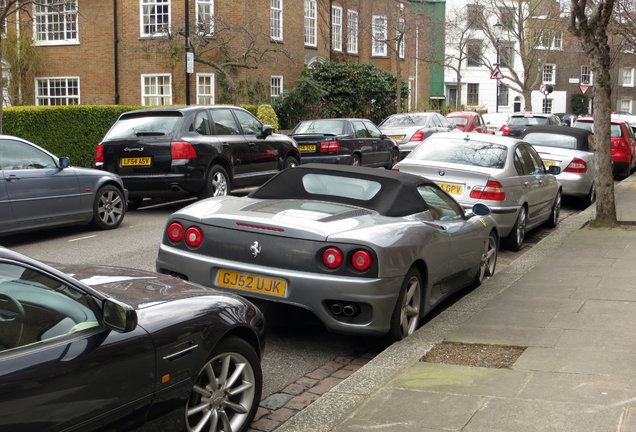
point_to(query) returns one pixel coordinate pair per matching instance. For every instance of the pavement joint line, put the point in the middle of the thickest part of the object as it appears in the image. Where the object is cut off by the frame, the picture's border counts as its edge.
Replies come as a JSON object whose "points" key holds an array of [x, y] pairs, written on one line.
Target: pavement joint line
{"points": [[328, 411]]}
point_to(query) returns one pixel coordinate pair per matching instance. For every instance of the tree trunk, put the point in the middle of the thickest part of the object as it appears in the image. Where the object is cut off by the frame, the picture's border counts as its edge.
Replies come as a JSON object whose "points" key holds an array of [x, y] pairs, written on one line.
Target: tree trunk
{"points": [[458, 92], [527, 99]]}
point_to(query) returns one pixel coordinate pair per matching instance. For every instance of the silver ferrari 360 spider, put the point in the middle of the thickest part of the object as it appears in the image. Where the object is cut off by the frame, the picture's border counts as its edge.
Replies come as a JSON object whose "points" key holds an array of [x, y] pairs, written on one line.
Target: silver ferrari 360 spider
{"points": [[368, 251]]}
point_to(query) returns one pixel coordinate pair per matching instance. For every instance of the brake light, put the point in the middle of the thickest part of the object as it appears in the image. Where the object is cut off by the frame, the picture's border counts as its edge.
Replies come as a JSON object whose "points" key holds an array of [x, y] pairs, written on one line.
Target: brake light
{"points": [[194, 236], [417, 136], [332, 257], [619, 143], [175, 232], [505, 130], [493, 191], [99, 153], [361, 260], [182, 150], [576, 166], [329, 146]]}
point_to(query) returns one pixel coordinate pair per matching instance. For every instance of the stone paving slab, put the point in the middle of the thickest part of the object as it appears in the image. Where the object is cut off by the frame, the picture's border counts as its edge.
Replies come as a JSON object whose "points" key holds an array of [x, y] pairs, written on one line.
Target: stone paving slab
{"points": [[578, 361], [599, 340], [498, 335]]}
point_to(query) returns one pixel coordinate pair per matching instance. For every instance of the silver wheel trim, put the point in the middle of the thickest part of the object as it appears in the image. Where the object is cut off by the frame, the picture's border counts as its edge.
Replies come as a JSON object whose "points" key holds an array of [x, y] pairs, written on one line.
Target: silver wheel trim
{"points": [[521, 225], [488, 259], [410, 310], [110, 207], [219, 184], [222, 396], [395, 157], [557, 209], [356, 160]]}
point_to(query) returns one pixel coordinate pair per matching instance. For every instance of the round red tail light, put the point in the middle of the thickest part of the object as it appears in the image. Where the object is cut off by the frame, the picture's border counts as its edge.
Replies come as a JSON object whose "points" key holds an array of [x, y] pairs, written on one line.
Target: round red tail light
{"points": [[332, 257], [194, 236], [362, 260], [175, 232]]}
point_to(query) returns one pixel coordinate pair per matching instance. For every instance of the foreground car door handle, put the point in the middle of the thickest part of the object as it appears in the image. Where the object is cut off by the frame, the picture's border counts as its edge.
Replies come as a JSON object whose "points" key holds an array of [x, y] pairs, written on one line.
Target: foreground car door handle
{"points": [[13, 178]]}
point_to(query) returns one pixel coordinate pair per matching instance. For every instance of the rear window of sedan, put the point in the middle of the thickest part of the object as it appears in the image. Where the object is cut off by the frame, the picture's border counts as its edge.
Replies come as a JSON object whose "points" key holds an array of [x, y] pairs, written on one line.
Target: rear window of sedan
{"points": [[144, 124], [616, 131], [331, 127], [475, 153], [528, 121], [460, 121], [552, 140], [405, 120]]}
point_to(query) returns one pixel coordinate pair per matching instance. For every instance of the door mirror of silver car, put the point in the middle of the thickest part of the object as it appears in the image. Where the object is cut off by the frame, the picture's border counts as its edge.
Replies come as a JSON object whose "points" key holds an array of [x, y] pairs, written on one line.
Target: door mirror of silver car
{"points": [[267, 130], [64, 162], [119, 316], [555, 170], [478, 209]]}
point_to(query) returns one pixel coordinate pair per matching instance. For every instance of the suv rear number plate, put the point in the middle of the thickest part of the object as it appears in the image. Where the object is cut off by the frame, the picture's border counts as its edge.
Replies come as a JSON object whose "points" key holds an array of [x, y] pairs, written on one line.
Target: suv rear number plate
{"points": [[135, 161], [307, 148], [251, 282]]}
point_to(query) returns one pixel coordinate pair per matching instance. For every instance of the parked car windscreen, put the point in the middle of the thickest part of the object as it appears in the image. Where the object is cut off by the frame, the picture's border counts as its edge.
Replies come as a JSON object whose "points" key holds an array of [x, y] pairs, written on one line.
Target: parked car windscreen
{"points": [[528, 121], [405, 120], [333, 127], [475, 153], [552, 140], [459, 121], [616, 131], [144, 124]]}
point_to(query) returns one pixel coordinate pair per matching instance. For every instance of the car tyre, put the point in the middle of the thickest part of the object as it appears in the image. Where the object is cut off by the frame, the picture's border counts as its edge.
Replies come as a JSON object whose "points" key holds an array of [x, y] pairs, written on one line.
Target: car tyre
{"points": [[556, 211], [488, 259], [290, 162], [355, 160], [408, 309], [395, 158], [227, 389], [590, 198], [514, 241], [109, 207], [217, 183]]}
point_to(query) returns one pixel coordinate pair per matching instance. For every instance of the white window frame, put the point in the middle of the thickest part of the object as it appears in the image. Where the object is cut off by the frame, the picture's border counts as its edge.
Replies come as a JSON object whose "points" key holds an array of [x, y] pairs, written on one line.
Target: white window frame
{"points": [[65, 97], [352, 31], [166, 97], [276, 20], [546, 105], [205, 17], [46, 18], [311, 23], [468, 94], [556, 40], [627, 77], [398, 30], [336, 28], [549, 77], [379, 35], [151, 6], [625, 105], [587, 71], [201, 95], [276, 86]]}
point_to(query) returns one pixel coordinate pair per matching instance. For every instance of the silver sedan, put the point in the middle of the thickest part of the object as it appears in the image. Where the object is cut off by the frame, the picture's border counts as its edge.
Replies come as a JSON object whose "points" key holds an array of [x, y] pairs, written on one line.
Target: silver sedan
{"points": [[504, 173], [410, 129]]}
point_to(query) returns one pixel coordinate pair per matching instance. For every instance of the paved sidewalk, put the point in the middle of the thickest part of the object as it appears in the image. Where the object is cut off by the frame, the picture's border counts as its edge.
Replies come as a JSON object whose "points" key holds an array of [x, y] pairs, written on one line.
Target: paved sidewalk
{"points": [[571, 300]]}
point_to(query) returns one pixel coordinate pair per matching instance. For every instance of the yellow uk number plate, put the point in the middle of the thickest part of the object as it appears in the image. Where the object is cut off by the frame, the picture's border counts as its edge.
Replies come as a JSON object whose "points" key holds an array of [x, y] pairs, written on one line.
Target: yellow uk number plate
{"points": [[137, 161], [397, 137], [307, 148], [549, 163], [453, 189], [251, 282]]}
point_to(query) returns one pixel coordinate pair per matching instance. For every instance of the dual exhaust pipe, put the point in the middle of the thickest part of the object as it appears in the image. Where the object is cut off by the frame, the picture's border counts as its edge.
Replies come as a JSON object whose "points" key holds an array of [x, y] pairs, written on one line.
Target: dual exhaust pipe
{"points": [[345, 309]]}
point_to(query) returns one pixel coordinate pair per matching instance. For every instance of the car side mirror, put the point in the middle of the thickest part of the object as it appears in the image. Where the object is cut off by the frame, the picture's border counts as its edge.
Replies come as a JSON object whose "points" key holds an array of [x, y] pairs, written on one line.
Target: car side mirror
{"points": [[478, 209], [64, 162], [555, 170], [119, 316], [267, 130], [383, 136]]}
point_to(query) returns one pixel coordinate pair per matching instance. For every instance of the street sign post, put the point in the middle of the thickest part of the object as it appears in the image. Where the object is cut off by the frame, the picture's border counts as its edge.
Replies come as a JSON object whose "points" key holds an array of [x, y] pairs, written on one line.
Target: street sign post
{"points": [[584, 89], [496, 73]]}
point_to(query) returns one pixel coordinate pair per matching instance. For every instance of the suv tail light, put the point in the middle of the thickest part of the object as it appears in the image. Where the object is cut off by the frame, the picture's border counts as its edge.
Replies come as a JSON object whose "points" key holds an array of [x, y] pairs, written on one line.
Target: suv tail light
{"points": [[492, 191], [329, 146], [576, 166], [182, 150], [505, 129], [417, 136], [99, 153]]}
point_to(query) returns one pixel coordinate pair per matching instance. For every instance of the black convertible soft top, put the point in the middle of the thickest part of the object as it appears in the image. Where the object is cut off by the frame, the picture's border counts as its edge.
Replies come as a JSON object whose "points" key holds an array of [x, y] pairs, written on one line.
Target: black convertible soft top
{"points": [[397, 196], [581, 135]]}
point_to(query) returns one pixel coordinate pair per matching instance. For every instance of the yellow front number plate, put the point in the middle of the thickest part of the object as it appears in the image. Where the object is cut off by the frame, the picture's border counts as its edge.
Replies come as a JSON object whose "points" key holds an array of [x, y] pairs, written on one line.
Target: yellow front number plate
{"points": [[307, 148], [453, 189], [138, 161], [251, 282]]}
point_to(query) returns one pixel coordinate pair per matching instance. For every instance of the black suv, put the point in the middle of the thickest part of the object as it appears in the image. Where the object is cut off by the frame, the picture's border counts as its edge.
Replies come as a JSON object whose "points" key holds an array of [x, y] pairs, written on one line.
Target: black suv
{"points": [[521, 121], [193, 151]]}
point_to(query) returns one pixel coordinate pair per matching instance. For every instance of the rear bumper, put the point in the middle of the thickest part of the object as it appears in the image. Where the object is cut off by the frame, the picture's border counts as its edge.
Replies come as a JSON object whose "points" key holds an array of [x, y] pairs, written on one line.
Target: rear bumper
{"points": [[162, 185], [330, 159], [575, 184], [311, 291]]}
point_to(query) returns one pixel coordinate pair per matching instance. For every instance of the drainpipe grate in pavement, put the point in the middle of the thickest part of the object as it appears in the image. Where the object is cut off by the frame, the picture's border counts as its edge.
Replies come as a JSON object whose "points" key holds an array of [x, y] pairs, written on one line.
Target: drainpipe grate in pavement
{"points": [[477, 355]]}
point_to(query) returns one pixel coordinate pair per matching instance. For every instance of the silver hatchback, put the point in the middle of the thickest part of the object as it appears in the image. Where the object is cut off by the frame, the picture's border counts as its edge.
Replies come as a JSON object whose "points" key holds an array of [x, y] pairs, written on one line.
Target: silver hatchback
{"points": [[504, 173]]}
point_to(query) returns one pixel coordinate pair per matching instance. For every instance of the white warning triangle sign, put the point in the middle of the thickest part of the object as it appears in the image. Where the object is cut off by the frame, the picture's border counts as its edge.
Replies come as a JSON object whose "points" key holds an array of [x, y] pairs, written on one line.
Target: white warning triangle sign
{"points": [[496, 73]]}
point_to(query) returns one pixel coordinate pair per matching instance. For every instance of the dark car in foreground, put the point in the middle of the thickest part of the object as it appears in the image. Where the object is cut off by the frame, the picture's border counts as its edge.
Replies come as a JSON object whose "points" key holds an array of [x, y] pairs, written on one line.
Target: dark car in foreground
{"points": [[367, 251], [572, 150], [410, 129], [521, 121], [103, 348], [349, 141], [193, 151], [40, 190]]}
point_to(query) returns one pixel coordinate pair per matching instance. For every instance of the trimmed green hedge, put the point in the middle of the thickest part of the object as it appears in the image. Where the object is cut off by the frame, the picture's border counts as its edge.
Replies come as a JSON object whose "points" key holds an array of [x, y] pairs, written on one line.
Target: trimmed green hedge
{"points": [[73, 131]]}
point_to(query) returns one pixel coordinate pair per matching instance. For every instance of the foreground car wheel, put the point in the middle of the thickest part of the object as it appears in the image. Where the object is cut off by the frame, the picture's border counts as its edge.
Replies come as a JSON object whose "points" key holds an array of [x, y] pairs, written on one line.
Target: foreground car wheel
{"points": [[556, 211], [290, 162], [395, 158], [514, 241], [406, 315], [488, 259], [227, 391], [109, 207], [217, 184]]}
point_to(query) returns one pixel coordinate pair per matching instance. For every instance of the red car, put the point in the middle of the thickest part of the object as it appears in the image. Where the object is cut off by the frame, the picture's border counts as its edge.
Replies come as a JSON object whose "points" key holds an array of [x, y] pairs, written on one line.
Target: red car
{"points": [[623, 144], [468, 121]]}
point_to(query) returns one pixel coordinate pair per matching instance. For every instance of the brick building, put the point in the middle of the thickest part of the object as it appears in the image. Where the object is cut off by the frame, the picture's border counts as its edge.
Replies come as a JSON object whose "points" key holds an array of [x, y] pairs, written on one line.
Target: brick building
{"points": [[134, 51]]}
